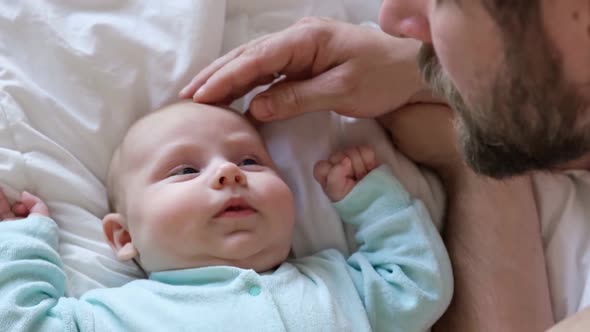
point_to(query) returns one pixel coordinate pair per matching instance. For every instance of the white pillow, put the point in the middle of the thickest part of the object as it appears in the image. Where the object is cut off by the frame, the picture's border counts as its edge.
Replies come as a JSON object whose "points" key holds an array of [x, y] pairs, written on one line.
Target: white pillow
{"points": [[75, 74]]}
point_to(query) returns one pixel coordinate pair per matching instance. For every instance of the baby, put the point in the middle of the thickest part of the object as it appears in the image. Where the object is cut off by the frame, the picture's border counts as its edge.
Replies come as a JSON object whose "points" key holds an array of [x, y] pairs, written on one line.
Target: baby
{"points": [[198, 203]]}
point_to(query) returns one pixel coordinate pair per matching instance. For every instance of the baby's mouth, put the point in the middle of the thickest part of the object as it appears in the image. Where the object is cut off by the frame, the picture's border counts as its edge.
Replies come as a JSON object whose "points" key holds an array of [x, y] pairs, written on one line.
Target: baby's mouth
{"points": [[235, 208]]}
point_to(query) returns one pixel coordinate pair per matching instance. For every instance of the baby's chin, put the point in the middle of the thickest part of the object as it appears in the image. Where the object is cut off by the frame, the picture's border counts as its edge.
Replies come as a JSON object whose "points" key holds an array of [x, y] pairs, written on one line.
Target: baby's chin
{"points": [[266, 260]]}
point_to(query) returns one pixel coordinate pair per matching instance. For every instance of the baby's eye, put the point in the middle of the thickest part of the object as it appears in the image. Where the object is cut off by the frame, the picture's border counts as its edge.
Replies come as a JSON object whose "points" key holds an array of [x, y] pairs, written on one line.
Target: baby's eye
{"points": [[185, 170], [248, 162]]}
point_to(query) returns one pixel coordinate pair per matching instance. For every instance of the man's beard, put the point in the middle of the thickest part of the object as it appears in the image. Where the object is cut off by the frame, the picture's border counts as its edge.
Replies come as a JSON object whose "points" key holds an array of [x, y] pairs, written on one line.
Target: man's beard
{"points": [[529, 119]]}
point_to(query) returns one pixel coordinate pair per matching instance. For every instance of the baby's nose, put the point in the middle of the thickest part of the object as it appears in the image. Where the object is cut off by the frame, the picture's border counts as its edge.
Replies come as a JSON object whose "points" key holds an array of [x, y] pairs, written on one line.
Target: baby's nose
{"points": [[229, 174]]}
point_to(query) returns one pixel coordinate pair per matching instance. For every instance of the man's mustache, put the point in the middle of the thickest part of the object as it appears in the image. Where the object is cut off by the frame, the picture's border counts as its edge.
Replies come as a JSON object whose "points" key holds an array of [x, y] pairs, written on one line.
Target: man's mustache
{"points": [[428, 62], [433, 74], [430, 68]]}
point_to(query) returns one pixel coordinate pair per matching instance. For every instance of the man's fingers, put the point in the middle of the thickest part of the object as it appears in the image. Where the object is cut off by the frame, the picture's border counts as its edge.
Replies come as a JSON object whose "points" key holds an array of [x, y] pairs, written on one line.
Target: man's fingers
{"points": [[201, 78], [240, 71], [292, 52], [288, 99], [253, 120], [237, 93]]}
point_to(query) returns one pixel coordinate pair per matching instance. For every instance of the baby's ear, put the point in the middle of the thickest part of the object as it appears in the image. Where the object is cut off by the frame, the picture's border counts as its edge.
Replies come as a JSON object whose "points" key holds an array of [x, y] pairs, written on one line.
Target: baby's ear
{"points": [[118, 237]]}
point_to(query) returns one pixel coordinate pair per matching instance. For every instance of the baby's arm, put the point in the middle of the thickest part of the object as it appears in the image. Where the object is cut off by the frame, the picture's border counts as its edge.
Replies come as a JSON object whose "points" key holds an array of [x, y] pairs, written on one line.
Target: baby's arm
{"points": [[401, 270], [32, 281]]}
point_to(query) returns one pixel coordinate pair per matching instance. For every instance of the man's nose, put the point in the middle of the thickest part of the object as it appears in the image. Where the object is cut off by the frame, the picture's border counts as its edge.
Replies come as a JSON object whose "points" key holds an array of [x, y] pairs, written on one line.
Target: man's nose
{"points": [[406, 18], [229, 174]]}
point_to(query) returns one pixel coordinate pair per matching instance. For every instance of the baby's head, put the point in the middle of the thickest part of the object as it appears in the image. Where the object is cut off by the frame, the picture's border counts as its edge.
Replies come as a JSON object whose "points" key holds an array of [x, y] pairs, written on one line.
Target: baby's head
{"points": [[193, 185]]}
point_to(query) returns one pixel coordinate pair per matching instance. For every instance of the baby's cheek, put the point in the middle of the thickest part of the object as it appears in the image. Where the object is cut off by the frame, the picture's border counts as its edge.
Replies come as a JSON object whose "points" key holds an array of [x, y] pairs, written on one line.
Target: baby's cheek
{"points": [[170, 205], [279, 199], [158, 219]]}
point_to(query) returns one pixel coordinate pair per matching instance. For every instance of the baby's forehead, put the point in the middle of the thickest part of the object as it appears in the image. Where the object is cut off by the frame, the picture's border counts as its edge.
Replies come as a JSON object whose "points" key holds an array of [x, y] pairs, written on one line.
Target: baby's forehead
{"points": [[200, 124]]}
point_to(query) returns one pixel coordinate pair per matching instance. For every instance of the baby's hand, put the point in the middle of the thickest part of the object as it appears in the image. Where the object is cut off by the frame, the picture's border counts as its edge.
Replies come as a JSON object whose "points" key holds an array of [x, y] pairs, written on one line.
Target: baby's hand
{"points": [[28, 204], [343, 170]]}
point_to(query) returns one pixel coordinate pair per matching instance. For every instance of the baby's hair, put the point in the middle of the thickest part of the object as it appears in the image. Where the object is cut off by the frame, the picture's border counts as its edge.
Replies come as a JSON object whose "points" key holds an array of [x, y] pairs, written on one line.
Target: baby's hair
{"points": [[112, 185], [114, 190]]}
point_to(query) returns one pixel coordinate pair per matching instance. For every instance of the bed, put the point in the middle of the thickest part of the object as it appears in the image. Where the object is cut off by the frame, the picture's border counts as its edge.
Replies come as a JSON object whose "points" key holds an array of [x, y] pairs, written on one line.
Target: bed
{"points": [[75, 74]]}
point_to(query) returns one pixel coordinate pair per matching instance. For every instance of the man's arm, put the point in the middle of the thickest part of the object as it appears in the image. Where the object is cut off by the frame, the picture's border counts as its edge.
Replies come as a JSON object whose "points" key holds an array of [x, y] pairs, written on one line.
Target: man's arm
{"points": [[492, 231]]}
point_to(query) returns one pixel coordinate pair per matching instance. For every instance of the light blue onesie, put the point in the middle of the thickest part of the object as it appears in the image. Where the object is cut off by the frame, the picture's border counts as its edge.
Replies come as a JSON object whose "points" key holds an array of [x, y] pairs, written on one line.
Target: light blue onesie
{"points": [[399, 280]]}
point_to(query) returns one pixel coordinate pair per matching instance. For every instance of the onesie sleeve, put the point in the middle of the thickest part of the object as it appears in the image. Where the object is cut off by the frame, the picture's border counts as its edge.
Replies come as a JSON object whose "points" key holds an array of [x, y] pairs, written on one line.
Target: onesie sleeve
{"points": [[32, 280], [401, 270]]}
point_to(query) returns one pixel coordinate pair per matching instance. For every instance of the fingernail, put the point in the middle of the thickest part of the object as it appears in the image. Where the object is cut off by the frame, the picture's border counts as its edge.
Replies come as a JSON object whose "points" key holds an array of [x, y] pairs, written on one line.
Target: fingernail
{"points": [[183, 91], [261, 107]]}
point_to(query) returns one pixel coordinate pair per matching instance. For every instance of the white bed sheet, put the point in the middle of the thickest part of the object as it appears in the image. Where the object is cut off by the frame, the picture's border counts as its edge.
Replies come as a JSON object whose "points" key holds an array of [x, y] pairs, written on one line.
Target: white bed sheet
{"points": [[564, 208], [75, 74]]}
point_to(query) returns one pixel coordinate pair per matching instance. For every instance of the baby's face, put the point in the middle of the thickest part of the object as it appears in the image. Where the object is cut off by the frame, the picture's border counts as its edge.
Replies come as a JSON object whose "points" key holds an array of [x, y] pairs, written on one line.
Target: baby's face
{"points": [[202, 190]]}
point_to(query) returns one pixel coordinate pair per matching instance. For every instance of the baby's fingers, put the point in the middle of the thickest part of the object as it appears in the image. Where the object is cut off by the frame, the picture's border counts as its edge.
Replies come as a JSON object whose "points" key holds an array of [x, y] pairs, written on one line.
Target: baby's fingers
{"points": [[5, 210], [339, 181], [20, 210], [368, 157], [339, 173], [358, 165], [320, 172], [34, 204]]}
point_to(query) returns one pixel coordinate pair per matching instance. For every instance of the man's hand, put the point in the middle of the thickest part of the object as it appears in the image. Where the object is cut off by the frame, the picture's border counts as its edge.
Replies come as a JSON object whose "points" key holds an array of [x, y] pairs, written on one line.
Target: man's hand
{"points": [[328, 65], [28, 204], [342, 171]]}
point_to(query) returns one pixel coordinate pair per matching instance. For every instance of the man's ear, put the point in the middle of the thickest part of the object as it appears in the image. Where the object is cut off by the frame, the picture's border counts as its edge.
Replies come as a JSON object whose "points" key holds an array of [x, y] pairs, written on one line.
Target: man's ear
{"points": [[118, 237]]}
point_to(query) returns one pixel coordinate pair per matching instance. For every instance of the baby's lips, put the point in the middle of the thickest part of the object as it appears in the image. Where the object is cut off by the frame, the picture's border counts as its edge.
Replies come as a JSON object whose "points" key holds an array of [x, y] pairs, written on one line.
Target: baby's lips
{"points": [[234, 205]]}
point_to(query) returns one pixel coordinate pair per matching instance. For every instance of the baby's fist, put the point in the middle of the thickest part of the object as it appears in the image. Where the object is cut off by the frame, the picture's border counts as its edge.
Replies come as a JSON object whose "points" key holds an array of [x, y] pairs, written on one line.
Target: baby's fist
{"points": [[28, 204], [339, 174]]}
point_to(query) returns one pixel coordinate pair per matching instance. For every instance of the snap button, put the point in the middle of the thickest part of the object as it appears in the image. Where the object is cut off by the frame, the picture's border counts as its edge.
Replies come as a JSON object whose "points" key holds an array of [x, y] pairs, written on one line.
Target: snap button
{"points": [[254, 290]]}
